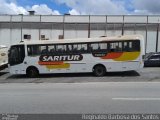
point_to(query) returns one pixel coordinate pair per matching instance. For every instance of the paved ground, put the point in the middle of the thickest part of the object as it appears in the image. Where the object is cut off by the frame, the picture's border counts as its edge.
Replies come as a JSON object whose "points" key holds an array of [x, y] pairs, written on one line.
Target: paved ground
{"points": [[122, 92], [103, 97], [144, 75]]}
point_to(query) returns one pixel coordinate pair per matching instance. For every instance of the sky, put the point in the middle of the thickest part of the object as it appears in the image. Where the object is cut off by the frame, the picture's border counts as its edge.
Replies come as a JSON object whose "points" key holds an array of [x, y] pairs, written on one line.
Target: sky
{"points": [[81, 7]]}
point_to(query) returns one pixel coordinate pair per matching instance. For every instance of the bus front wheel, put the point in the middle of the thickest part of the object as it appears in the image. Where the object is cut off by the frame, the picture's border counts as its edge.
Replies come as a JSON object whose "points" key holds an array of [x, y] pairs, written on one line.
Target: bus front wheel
{"points": [[32, 72], [99, 70]]}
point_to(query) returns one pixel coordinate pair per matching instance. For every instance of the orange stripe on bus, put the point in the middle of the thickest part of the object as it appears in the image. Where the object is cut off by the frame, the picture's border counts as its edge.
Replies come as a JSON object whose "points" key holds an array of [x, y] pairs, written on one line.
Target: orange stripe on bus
{"points": [[112, 55]]}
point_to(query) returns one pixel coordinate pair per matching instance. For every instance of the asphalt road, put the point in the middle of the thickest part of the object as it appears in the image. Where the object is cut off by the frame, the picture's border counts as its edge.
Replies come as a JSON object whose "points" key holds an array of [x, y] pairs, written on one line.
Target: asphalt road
{"points": [[111, 97], [143, 75], [120, 92]]}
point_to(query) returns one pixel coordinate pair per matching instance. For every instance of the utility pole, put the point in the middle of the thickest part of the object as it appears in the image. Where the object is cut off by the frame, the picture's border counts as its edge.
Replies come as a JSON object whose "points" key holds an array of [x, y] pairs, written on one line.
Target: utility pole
{"points": [[157, 37]]}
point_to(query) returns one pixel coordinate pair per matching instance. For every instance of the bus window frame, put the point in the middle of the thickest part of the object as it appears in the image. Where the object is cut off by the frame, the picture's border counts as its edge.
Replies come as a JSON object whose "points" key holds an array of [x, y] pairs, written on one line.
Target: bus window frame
{"points": [[88, 49]]}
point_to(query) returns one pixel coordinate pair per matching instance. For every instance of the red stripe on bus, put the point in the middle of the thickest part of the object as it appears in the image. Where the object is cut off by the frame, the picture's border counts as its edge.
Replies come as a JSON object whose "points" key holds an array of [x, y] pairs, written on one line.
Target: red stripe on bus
{"points": [[112, 55], [49, 63]]}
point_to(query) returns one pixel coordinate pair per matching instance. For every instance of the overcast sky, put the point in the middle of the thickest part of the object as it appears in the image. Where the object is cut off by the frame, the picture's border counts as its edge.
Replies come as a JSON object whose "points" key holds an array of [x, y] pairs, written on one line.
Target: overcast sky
{"points": [[81, 7]]}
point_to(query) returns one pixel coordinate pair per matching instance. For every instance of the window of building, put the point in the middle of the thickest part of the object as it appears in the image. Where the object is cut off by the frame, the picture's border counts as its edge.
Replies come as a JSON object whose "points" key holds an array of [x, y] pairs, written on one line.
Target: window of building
{"points": [[42, 37], [27, 36]]}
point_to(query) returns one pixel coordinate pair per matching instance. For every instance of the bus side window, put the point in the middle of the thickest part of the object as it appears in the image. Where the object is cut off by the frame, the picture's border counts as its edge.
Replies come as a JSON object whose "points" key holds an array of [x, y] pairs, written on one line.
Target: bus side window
{"points": [[116, 47], [98, 47], [64, 49], [130, 47], [90, 47], [75, 48], [33, 50], [125, 46], [95, 47], [51, 49], [83, 48], [136, 45], [44, 50], [61, 49], [112, 47], [119, 47], [29, 50], [70, 48]]}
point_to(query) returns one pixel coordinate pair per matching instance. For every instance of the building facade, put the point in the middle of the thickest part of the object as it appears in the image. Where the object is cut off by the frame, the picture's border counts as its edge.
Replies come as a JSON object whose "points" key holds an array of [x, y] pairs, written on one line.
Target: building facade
{"points": [[16, 28]]}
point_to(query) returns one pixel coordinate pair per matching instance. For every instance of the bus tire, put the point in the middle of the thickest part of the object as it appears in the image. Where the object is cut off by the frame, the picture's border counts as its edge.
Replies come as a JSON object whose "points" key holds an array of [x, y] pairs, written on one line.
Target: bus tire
{"points": [[99, 70], [32, 72]]}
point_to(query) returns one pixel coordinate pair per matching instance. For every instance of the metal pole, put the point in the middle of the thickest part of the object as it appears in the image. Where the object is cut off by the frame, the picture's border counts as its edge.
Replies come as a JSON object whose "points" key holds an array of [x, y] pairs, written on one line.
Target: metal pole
{"points": [[106, 27], [146, 36], [63, 25], [21, 27], [157, 37], [11, 29], [89, 28], [39, 27], [123, 26]]}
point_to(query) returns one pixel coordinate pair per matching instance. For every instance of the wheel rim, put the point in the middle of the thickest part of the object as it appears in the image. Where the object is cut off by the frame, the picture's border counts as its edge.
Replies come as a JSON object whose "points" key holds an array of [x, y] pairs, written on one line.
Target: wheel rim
{"points": [[99, 71], [32, 73]]}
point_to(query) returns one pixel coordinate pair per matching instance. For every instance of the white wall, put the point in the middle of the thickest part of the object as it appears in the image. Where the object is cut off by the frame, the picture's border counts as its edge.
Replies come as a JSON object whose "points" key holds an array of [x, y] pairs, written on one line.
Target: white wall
{"points": [[51, 34], [5, 18], [5, 37], [97, 19], [97, 33], [151, 41], [15, 36], [49, 18], [159, 43], [76, 19], [135, 19], [33, 32], [75, 34], [129, 32], [11, 36], [143, 33], [47, 33], [115, 19], [114, 33], [31, 18], [154, 19], [56, 33]]}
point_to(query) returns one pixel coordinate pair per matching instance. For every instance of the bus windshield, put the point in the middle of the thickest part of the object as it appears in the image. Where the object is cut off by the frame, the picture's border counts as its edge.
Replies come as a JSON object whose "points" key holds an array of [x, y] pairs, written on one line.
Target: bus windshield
{"points": [[16, 55]]}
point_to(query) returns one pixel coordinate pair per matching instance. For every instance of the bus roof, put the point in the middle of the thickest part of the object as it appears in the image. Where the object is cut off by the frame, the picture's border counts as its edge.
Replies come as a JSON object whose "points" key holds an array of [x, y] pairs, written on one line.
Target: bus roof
{"points": [[79, 40]]}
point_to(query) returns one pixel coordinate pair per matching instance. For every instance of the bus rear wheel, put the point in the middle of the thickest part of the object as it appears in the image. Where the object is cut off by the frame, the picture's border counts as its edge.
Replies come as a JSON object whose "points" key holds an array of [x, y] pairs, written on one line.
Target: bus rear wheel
{"points": [[99, 70], [32, 72]]}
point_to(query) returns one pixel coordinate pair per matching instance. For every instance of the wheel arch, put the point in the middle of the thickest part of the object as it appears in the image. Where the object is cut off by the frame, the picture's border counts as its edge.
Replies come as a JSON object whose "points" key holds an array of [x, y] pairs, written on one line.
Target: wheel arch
{"points": [[31, 67]]}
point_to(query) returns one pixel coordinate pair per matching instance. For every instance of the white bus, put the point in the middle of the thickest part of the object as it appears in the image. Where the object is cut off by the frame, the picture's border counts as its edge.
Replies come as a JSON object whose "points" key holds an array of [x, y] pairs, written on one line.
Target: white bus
{"points": [[3, 57], [97, 55]]}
